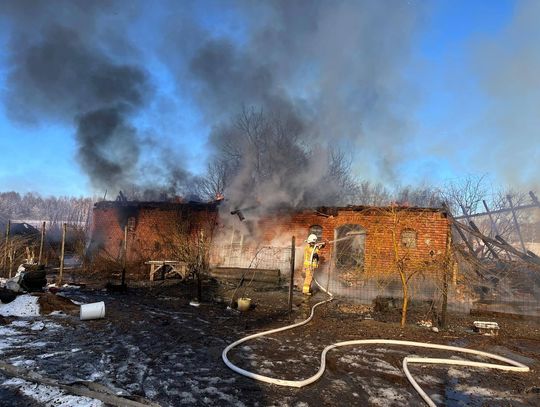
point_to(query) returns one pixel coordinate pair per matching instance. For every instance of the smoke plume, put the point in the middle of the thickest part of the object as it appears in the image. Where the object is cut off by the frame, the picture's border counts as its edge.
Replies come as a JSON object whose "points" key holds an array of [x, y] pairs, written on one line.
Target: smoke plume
{"points": [[327, 75], [507, 65], [60, 72]]}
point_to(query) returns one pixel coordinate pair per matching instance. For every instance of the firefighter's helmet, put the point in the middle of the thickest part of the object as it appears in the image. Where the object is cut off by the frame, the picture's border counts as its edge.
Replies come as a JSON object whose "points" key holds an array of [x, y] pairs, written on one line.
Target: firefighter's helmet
{"points": [[312, 238]]}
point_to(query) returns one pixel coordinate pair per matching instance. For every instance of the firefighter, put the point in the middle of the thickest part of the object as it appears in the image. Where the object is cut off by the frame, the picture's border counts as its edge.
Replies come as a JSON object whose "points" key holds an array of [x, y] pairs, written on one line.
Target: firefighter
{"points": [[311, 261]]}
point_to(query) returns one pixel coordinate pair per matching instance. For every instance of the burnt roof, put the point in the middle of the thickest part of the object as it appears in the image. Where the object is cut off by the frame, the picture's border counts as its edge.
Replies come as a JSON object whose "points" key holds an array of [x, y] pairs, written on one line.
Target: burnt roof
{"points": [[156, 205], [369, 207], [193, 205]]}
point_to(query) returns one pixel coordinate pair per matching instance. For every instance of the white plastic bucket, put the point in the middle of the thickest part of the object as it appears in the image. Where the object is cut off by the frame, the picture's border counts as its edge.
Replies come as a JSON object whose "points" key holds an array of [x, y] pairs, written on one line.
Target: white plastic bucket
{"points": [[95, 310], [244, 304]]}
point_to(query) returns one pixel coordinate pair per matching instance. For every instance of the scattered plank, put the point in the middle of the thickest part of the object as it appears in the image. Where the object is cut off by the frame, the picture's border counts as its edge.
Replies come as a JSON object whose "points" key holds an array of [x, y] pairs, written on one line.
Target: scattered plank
{"points": [[99, 392]]}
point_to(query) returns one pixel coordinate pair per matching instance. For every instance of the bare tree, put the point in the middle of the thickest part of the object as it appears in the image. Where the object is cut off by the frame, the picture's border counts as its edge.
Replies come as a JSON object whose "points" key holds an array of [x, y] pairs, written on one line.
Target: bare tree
{"points": [[265, 157], [465, 193], [189, 241], [213, 184]]}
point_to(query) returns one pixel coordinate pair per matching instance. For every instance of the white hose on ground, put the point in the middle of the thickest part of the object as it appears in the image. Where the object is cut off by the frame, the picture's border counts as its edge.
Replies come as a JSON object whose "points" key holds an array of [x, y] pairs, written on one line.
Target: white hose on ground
{"points": [[512, 366]]}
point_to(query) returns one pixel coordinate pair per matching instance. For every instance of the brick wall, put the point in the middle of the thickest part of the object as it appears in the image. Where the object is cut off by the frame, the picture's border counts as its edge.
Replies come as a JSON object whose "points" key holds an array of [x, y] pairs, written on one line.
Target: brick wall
{"points": [[154, 227], [431, 227], [153, 232]]}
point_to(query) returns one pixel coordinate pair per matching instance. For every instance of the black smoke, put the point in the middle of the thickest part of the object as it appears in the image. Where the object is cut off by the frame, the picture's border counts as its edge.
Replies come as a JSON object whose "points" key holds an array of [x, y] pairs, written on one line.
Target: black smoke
{"points": [[330, 71], [61, 72]]}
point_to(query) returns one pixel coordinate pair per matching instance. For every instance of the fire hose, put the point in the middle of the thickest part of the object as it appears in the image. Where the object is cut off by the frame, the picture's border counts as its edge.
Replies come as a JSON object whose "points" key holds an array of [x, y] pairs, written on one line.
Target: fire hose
{"points": [[511, 365]]}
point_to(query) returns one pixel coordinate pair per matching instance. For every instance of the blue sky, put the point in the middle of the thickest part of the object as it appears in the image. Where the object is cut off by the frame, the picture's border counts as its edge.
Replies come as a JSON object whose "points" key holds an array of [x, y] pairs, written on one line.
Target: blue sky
{"points": [[453, 120]]}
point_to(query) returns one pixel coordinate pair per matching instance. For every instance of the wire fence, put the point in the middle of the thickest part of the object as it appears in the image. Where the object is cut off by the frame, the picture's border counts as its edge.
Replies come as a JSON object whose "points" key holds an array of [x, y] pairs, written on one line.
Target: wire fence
{"points": [[255, 257], [513, 289]]}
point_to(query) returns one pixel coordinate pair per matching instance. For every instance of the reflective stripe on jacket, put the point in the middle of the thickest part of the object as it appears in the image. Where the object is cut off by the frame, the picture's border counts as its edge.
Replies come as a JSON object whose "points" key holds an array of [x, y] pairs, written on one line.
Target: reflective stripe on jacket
{"points": [[307, 256]]}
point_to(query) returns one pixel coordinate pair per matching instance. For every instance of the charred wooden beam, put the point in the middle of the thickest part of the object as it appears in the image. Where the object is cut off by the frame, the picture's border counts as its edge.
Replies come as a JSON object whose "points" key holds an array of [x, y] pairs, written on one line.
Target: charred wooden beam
{"points": [[534, 198], [486, 243], [532, 254], [472, 225], [500, 243], [516, 223], [461, 234], [505, 210]]}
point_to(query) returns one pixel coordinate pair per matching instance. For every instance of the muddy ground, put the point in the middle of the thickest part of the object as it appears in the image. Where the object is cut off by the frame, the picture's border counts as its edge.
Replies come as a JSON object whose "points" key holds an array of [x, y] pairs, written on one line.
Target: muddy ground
{"points": [[154, 344]]}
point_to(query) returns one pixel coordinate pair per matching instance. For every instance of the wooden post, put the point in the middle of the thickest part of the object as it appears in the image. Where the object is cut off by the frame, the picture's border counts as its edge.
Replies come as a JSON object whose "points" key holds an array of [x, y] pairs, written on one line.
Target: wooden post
{"points": [[62, 252], [6, 249], [12, 252], [516, 223], [446, 267], [41, 243], [291, 283], [200, 251], [444, 308], [124, 255]]}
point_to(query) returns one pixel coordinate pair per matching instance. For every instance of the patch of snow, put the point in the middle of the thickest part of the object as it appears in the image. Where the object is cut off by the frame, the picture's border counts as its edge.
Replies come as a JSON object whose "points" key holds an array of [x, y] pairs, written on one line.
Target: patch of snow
{"points": [[95, 376], [22, 362], [216, 380], [339, 384], [187, 398], [385, 367], [458, 373], [38, 344], [222, 396], [23, 306], [379, 394], [21, 324], [51, 396], [9, 337], [52, 325], [38, 326], [58, 313], [386, 397], [5, 331], [7, 343], [428, 379], [484, 392], [50, 355]]}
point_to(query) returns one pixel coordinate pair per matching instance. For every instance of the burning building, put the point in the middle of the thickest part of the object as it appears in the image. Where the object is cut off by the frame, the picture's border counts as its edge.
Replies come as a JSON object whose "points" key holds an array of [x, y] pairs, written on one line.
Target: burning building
{"points": [[382, 238]]}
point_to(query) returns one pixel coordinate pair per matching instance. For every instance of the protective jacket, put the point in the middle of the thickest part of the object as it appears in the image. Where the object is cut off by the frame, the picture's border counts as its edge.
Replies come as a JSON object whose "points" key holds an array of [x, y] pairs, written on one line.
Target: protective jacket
{"points": [[308, 259], [311, 262]]}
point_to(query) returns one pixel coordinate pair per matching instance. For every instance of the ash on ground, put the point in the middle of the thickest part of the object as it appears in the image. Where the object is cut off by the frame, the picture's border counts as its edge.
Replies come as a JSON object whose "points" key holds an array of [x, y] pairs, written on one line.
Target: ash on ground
{"points": [[153, 344]]}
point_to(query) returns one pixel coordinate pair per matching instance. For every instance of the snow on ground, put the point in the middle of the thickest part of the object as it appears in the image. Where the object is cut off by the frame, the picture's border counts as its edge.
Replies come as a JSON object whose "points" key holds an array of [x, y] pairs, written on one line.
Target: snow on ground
{"points": [[485, 393], [51, 396], [381, 395], [458, 373], [8, 338], [23, 306]]}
